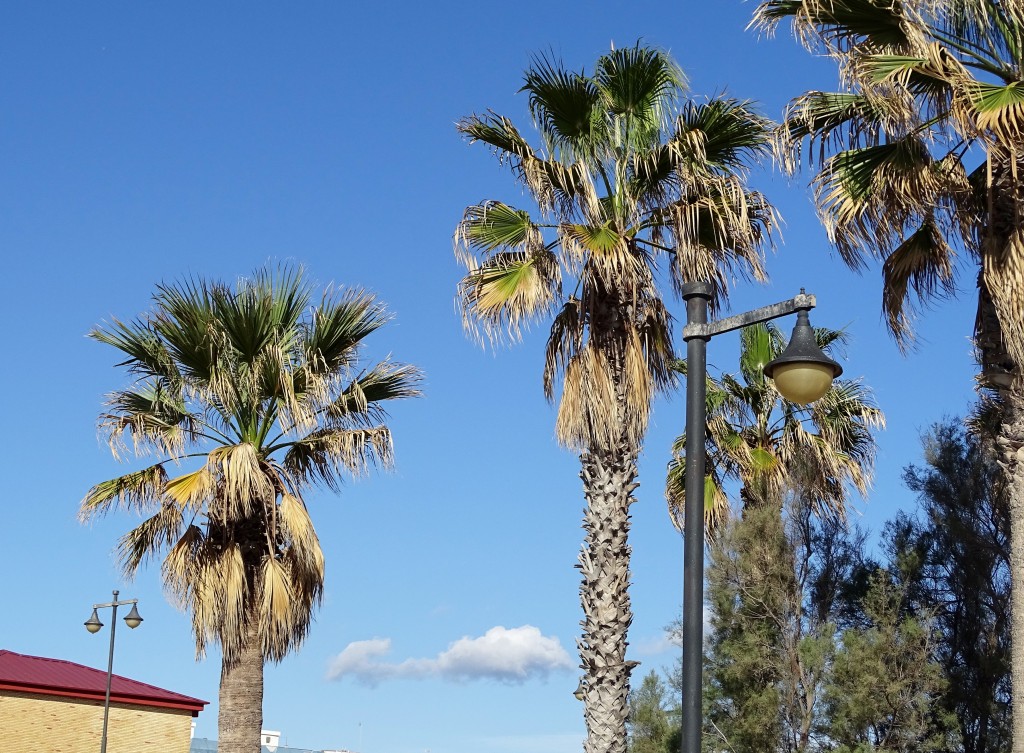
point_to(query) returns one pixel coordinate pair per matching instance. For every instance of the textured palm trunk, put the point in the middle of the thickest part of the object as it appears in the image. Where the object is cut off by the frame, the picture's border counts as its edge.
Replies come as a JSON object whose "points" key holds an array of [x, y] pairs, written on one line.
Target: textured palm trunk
{"points": [[1011, 445], [608, 485], [1002, 292], [240, 718]]}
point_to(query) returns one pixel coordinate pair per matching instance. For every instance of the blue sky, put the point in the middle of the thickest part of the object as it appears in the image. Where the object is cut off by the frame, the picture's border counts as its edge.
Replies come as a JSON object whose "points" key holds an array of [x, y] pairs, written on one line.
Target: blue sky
{"points": [[143, 143]]}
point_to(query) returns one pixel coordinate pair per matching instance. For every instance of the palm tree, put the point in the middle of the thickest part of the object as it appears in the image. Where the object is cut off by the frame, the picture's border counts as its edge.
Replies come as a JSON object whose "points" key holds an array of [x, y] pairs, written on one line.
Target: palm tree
{"points": [[765, 443], [255, 396], [627, 172], [920, 157]]}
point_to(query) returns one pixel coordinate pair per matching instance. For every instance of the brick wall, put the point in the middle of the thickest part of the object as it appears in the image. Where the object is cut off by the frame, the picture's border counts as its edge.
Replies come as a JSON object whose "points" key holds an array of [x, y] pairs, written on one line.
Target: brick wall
{"points": [[51, 724]]}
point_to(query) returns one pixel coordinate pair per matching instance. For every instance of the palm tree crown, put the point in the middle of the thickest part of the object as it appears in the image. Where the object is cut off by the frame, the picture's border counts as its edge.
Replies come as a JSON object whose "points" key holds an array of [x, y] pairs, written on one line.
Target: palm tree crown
{"points": [[759, 439], [626, 172], [261, 394], [920, 152]]}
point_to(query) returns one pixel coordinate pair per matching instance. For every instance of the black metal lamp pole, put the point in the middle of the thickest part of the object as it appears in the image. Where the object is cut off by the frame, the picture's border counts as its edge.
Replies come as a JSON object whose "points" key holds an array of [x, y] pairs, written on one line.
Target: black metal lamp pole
{"points": [[133, 619], [802, 352]]}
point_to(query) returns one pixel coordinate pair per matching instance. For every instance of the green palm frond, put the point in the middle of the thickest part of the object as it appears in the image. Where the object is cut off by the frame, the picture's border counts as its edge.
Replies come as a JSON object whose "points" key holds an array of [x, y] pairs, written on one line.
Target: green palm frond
{"points": [[868, 195], [361, 402], [757, 348], [185, 323], [566, 107], [146, 541], [831, 120], [716, 502], [338, 327], [140, 490], [837, 24], [324, 454], [153, 416], [639, 86], [509, 291], [554, 185], [735, 135], [493, 225], [147, 354], [757, 440], [999, 109]]}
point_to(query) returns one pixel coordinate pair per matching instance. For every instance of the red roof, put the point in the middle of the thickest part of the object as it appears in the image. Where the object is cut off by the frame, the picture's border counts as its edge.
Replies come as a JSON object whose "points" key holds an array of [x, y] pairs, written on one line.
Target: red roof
{"points": [[36, 674]]}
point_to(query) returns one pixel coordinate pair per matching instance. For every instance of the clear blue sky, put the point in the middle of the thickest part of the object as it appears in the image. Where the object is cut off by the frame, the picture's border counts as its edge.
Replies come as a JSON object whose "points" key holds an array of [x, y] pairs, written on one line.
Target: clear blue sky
{"points": [[143, 142]]}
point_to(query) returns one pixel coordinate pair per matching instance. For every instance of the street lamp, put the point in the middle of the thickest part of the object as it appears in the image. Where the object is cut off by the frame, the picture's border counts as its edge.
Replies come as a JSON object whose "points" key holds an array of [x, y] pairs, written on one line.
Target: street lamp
{"points": [[802, 374], [133, 619]]}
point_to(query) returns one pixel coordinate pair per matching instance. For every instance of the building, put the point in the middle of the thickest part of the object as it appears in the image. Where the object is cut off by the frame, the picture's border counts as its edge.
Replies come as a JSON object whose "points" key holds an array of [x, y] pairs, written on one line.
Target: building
{"points": [[57, 706]]}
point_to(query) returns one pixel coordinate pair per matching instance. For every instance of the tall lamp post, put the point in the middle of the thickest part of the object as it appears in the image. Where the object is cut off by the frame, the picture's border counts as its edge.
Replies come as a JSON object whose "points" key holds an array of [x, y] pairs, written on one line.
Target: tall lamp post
{"points": [[133, 619], [802, 374]]}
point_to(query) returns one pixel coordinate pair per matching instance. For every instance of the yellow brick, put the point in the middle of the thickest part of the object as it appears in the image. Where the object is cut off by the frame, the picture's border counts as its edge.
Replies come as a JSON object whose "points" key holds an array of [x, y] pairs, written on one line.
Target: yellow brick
{"points": [[53, 724]]}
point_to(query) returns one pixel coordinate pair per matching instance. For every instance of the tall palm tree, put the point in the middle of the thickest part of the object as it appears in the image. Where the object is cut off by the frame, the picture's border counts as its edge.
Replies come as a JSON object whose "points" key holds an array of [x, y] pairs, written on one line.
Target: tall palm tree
{"points": [[249, 396], [920, 157], [626, 172], [765, 443]]}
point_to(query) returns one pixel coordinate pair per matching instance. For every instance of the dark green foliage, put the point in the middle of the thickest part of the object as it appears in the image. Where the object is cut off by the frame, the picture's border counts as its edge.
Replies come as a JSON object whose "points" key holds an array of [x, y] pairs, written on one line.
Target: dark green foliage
{"points": [[750, 583], [881, 691], [955, 556], [816, 647]]}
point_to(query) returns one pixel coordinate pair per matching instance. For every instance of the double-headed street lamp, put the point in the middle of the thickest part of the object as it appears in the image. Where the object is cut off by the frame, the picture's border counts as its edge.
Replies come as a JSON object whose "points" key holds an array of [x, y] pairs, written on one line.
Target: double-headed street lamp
{"points": [[133, 619], [802, 374]]}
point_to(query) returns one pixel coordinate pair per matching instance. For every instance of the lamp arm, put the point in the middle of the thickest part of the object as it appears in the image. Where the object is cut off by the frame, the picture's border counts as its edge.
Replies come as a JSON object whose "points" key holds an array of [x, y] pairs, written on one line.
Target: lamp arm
{"points": [[804, 301]]}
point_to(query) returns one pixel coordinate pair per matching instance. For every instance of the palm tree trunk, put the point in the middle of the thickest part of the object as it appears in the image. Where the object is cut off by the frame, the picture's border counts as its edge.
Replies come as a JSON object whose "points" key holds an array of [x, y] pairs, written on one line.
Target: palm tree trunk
{"points": [[240, 718], [1011, 445], [1002, 290], [608, 485]]}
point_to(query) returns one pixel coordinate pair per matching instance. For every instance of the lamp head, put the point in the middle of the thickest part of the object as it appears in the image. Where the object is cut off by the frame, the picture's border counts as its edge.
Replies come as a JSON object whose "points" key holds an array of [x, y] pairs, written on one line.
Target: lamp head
{"points": [[133, 619], [802, 373], [93, 624]]}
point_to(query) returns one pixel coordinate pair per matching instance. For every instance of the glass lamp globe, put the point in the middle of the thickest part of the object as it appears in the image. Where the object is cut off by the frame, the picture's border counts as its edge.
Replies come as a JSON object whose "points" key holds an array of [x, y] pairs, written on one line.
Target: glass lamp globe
{"points": [[802, 373]]}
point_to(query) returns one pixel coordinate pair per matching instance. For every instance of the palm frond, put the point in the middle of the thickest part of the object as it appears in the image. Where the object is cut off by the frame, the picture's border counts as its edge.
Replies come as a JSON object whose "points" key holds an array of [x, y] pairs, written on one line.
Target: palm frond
{"points": [[146, 541], [553, 184], [588, 413], [735, 135], [360, 403], [276, 609], [192, 490], [638, 86], [509, 291], [147, 354], [837, 24], [924, 264], [325, 454], [999, 109], [566, 107], [140, 490], [492, 226], [867, 195], [565, 340], [243, 487]]}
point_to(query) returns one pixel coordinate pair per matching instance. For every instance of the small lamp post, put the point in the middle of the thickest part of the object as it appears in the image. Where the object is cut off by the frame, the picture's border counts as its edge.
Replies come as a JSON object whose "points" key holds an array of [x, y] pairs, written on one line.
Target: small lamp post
{"points": [[802, 374], [133, 619]]}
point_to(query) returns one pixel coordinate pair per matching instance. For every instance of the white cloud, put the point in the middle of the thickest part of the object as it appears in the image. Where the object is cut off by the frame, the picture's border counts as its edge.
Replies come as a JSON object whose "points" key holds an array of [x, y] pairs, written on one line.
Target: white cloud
{"points": [[511, 655]]}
